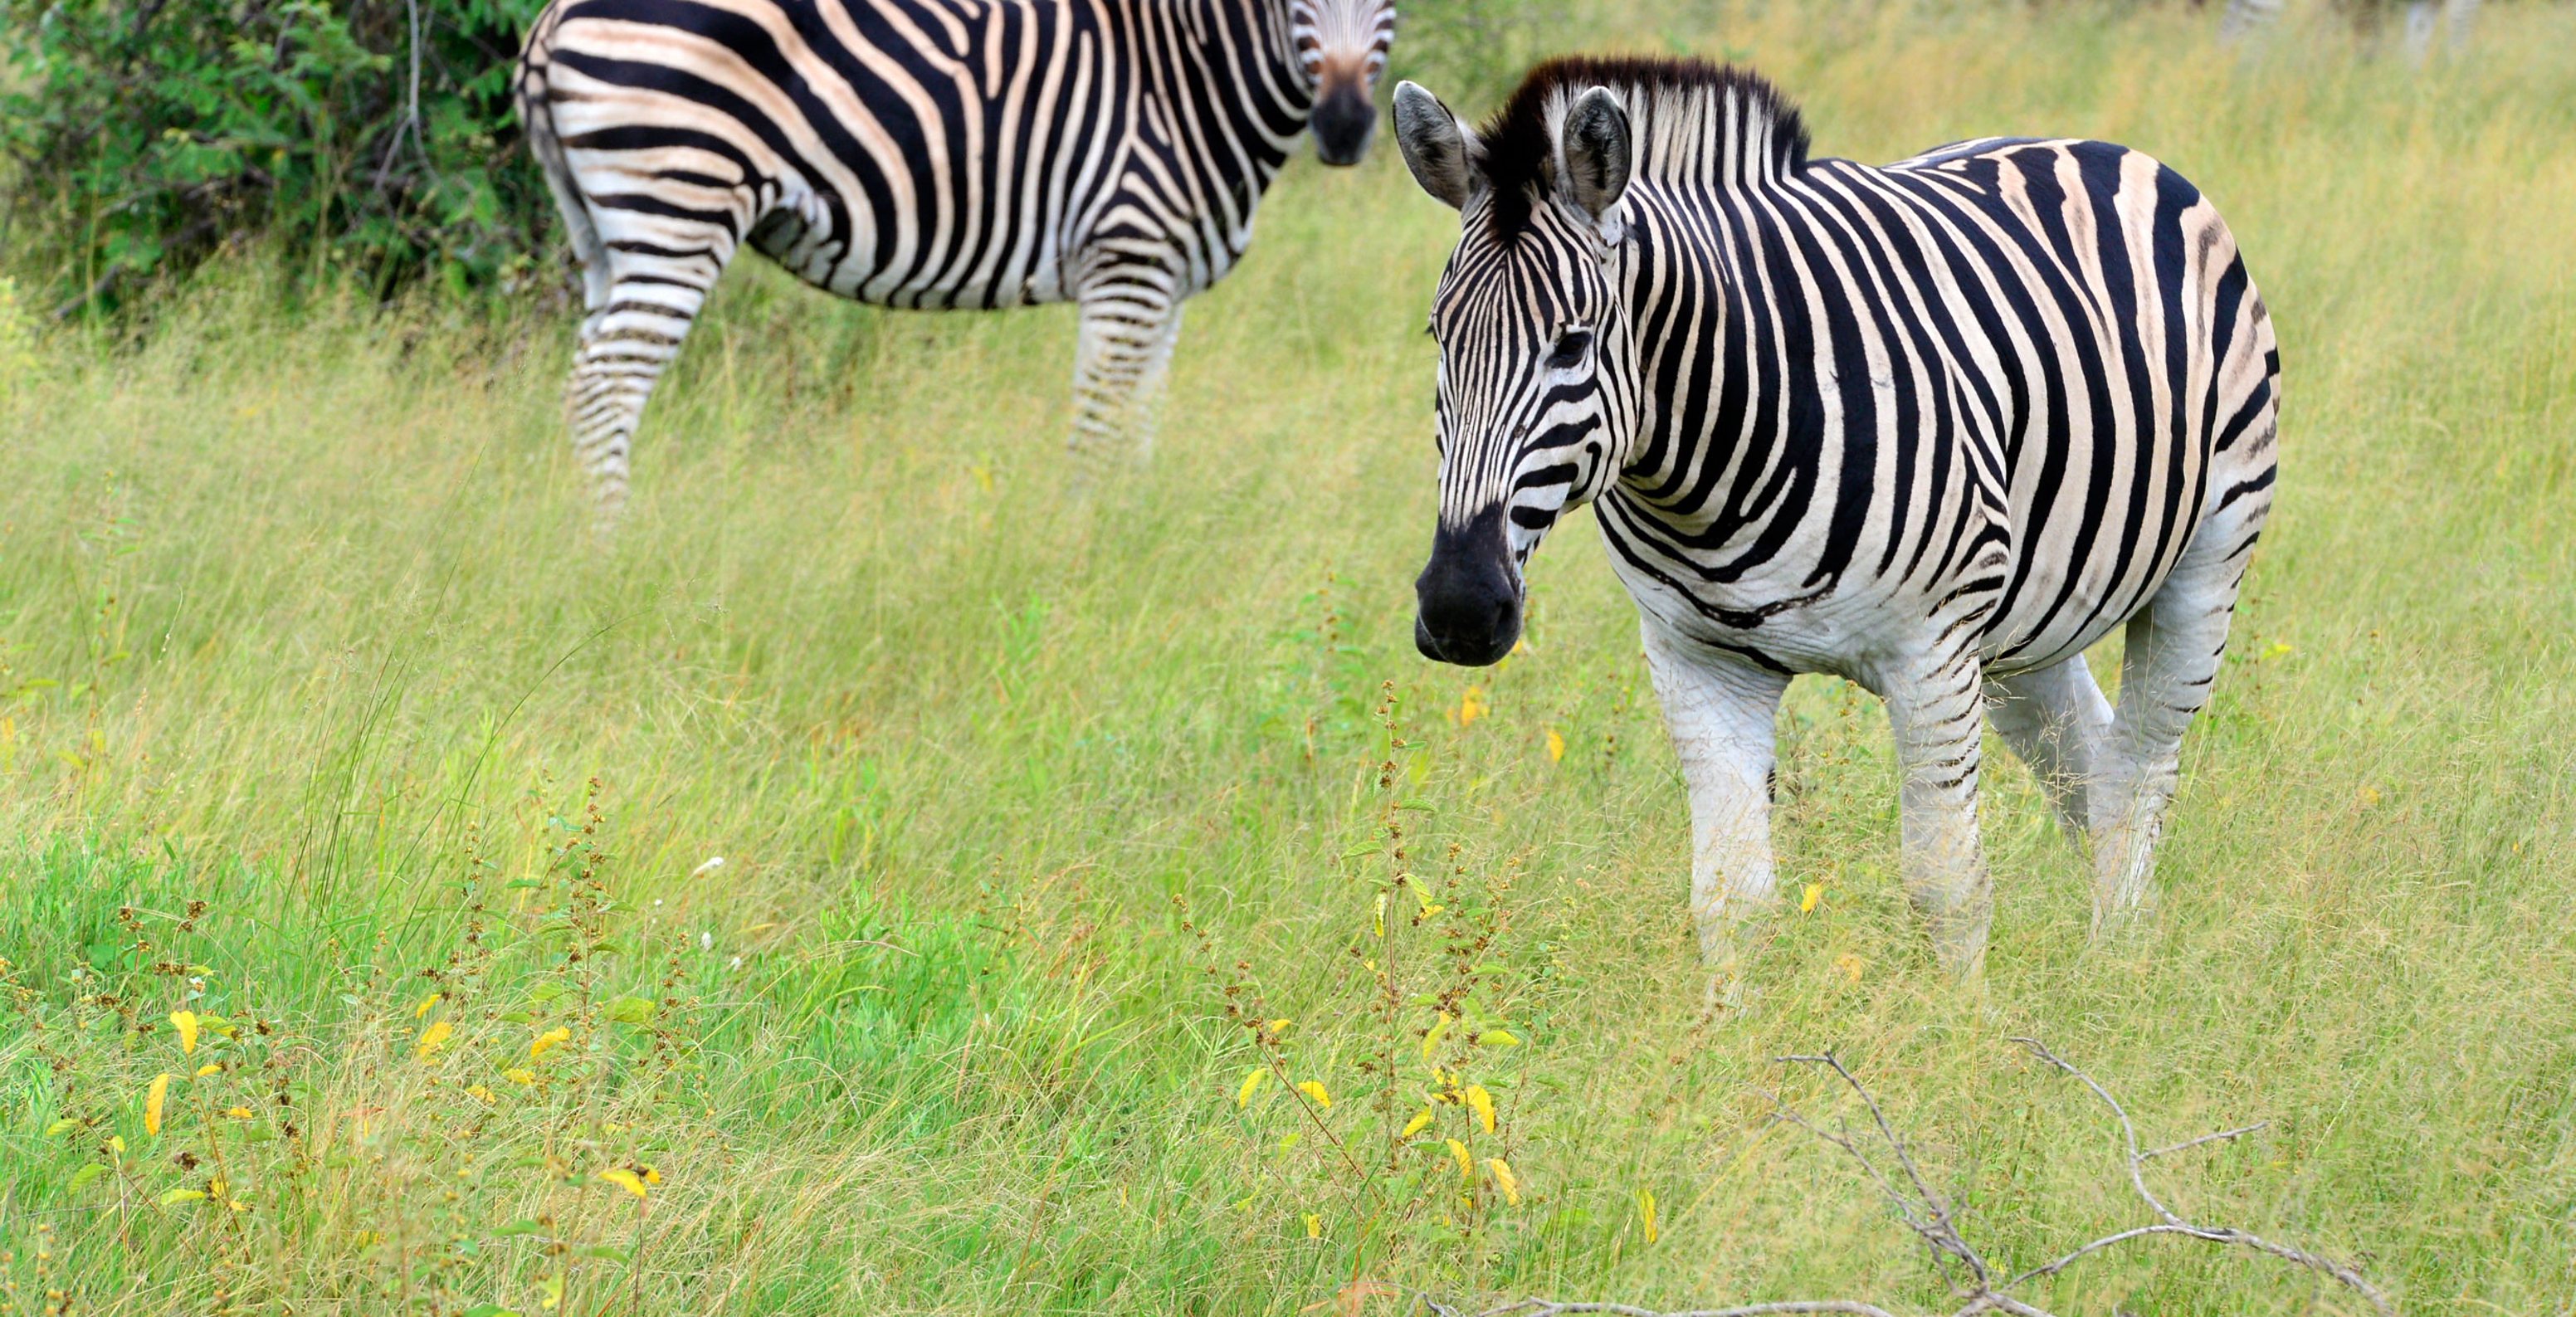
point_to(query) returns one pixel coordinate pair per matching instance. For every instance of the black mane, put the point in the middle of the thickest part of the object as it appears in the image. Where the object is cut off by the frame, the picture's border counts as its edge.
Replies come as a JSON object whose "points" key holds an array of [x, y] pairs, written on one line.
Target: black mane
{"points": [[1517, 147]]}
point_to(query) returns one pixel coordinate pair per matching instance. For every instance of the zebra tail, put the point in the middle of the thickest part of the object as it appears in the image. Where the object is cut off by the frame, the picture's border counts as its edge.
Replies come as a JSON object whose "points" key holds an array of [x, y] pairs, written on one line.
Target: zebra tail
{"points": [[536, 116]]}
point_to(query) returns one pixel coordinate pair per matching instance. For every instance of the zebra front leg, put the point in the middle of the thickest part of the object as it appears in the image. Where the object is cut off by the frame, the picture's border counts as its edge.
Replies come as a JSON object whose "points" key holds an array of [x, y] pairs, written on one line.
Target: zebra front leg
{"points": [[1939, 722], [1121, 356], [2055, 718], [1720, 714]]}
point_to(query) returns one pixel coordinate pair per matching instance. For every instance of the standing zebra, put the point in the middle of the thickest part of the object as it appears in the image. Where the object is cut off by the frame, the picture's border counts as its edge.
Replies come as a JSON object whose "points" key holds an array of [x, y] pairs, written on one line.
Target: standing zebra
{"points": [[926, 154], [1934, 427]]}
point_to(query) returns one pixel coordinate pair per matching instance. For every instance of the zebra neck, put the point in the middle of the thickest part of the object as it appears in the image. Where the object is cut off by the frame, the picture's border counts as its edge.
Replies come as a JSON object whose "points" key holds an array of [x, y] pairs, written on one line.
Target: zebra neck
{"points": [[1244, 63], [1699, 294]]}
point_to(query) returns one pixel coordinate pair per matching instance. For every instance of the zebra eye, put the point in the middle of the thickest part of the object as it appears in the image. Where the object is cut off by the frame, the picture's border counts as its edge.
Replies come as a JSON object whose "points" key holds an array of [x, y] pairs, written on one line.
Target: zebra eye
{"points": [[1570, 347]]}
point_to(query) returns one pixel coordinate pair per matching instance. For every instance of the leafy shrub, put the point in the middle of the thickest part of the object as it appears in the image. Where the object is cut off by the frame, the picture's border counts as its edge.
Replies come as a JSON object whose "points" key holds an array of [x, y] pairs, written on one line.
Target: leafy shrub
{"points": [[372, 138]]}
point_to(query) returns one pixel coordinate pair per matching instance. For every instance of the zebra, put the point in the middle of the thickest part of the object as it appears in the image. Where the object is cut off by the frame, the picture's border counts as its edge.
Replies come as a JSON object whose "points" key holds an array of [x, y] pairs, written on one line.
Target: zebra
{"points": [[1934, 428], [926, 154]]}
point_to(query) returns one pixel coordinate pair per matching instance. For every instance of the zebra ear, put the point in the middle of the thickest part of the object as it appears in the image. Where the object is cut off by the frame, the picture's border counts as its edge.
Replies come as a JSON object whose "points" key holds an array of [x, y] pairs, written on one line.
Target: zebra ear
{"points": [[1594, 153], [1437, 148]]}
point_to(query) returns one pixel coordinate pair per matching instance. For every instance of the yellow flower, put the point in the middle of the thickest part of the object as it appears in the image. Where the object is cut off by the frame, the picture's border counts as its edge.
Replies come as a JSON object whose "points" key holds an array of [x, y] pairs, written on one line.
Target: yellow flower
{"points": [[238, 1113], [1483, 1102], [1251, 1084], [549, 1038], [432, 1036], [1420, 1119], [1555, 746], [1466, 1166], [1815, 892], [625, 1179], [152, 1100], [479, 1093], [1504, 1180], [652, 1176], [1850, 965], [1315, 1089], [1278, 1026], [1471, 705]]}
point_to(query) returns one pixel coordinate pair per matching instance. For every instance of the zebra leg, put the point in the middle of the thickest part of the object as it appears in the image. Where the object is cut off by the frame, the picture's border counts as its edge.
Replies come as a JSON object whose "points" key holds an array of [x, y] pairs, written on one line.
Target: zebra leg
{"points": [[2055, 719], [1720, 715], [658, 273], [1130, 319], [1939, 723], [2174, 644]]}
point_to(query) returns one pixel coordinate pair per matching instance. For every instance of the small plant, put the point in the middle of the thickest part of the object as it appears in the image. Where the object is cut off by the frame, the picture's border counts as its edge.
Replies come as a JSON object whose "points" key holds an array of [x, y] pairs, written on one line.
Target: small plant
{"points": [[486, 1134]]}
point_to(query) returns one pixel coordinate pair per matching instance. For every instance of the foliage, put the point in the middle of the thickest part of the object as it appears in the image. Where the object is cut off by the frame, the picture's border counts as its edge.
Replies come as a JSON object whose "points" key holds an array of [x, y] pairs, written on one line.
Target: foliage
{"points": [[288, 600], [370, 138]]}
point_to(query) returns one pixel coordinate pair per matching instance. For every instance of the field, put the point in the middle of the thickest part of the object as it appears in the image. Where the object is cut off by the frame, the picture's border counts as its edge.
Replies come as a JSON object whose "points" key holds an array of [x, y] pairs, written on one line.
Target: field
{"points": [[328, 729]]}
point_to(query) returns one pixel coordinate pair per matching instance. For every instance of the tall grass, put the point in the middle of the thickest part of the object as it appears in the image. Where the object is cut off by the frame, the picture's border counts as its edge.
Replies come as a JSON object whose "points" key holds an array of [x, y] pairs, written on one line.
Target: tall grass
{"points": [[1046, 826]]}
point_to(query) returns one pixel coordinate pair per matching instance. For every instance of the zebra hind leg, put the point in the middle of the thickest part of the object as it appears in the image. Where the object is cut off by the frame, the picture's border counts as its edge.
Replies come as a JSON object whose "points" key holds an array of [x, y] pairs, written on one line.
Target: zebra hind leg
{"points": [[2055, 719], [654, 289], [2172, 658]]}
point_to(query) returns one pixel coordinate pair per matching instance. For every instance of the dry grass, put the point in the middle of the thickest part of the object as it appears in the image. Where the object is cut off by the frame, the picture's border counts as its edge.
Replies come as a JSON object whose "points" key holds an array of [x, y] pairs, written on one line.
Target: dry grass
{"points": [[328, 654]]}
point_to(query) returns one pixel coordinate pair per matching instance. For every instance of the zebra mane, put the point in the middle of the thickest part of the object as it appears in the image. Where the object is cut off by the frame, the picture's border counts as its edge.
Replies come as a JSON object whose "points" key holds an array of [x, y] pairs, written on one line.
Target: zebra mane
{"points": [[1678, 110]]}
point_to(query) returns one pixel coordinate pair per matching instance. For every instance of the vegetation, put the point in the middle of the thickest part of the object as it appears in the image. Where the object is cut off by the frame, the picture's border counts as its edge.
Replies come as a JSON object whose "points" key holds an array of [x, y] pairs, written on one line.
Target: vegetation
{"points": [[1064, 845]]}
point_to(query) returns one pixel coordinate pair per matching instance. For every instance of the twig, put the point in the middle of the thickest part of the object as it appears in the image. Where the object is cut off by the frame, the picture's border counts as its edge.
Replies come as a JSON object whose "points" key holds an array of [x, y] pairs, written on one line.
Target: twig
{"points": [[1934, 1220]]}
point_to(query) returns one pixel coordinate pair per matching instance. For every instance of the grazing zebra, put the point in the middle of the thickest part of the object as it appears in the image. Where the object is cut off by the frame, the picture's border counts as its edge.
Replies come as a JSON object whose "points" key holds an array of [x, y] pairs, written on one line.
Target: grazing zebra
{"points": [[926, 154], [1933, 427]]}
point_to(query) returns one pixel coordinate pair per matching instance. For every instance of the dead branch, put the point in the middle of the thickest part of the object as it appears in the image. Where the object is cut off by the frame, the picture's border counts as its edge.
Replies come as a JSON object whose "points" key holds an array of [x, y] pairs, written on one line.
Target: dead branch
{"points": [[1934, 1220]]}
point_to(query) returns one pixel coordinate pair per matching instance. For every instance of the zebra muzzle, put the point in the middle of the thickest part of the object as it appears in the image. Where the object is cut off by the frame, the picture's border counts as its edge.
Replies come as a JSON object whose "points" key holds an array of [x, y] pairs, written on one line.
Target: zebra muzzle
{"points": [[1468, 598], [1343, 120]]}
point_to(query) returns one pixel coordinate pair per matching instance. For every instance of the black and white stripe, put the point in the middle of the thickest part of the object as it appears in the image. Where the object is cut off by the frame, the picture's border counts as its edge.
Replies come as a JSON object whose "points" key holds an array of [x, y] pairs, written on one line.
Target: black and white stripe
{"points": [[931, 154], [1935, 427]]}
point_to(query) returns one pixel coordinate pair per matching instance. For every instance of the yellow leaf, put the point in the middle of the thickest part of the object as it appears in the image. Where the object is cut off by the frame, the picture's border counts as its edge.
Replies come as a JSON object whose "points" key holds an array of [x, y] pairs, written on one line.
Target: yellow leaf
{"points": [[1315, 1089], [549, 1038], [1504, 1180], [625, 1179], [1278, 1026], [1420, 1119], [1471, 705], [1850, 965], [209, 1068], [520, 1075], [186, 1022], [1314, 1226], [181, 1196], [1381, 920], [1497, 1038], [215, 1187], [1555, 746], [1483, 1102], [152, 1099], [1431, 1036], [432, 1036], [1815, 893], [1466, 1167], [425, 1003], [554, 1292], [652, 1176], [479, 1093], [116, 1144], [238, 1113], [1251, 1085], [63, 1126], [1646, 1212]]}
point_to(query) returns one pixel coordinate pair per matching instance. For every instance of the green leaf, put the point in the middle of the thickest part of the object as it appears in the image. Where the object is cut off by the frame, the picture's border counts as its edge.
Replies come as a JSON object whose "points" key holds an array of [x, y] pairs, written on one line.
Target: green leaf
{"points": [[491, 1310], [630, 1010], [65, 1124], [604, 1252], [522, 1226], [88, 1173], [182, 1196]]}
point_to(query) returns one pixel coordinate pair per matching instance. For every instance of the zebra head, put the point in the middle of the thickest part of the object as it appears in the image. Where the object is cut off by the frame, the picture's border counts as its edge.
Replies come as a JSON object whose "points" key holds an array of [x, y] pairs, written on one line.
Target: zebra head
{"points": [[1342, 44], [1538, 376]]}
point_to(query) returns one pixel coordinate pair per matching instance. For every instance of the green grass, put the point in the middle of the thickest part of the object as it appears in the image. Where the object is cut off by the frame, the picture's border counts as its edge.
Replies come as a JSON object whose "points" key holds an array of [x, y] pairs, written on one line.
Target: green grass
{"points": [[1011, 791]]}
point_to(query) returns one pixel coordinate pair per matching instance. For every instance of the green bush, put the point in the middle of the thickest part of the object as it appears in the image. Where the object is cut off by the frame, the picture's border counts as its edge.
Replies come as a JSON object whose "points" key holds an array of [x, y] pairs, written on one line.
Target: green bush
{"points": [[370, 138]]}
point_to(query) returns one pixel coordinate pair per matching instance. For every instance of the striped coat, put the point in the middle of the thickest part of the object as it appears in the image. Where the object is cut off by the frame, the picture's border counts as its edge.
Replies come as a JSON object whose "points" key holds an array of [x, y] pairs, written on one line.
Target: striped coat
{"points": [[1934, 427], [929, 154]]}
